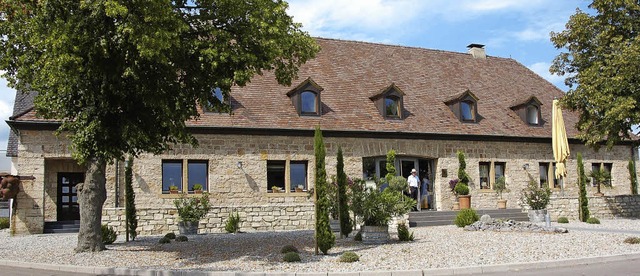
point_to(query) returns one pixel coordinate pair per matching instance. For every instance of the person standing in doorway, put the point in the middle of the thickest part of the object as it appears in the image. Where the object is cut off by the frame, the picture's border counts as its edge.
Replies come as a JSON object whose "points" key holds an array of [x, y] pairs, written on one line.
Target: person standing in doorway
{"points": [[425, 189], [414, 183]]}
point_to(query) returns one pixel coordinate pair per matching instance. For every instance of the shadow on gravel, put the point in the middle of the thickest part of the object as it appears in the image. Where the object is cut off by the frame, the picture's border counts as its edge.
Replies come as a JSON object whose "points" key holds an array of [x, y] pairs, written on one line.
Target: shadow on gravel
{"points": [[222, 250]]}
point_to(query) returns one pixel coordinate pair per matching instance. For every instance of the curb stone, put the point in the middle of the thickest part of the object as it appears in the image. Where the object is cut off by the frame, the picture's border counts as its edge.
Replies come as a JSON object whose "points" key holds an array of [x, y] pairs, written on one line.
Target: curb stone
{"points": [[431, 271]]}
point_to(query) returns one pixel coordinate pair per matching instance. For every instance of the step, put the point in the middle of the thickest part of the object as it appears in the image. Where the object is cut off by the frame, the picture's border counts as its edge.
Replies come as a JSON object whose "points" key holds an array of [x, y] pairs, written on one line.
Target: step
{"points": [[437, 218], [71, 226]]}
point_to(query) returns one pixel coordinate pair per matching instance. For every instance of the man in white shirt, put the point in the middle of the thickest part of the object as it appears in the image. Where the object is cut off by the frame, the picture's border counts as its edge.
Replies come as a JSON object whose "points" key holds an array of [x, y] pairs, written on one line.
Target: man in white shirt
{"points": [[414, 183]]}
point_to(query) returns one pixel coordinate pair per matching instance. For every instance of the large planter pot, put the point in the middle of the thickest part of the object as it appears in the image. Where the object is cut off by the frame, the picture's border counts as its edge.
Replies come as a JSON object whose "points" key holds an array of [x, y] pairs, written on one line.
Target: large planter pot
{"points": [[502, 204], [537, 216], [188, 227], [465, 201], [375, 234]]}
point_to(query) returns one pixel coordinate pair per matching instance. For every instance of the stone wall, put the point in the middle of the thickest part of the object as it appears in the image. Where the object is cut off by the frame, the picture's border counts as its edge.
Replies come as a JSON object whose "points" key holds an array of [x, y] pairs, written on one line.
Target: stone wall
{"points": [[156, 221], [602, 207], [246, 187]]}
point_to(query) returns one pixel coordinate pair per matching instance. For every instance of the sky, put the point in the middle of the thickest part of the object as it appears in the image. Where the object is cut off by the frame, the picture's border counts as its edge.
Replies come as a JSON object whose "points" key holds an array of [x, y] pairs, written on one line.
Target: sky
{"points": [[509, 28]]}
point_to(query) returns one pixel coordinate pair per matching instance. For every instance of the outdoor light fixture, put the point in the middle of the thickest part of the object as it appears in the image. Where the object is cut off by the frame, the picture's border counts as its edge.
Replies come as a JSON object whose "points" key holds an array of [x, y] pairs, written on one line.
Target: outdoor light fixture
{"points": [[240, 165], [525, 166]]}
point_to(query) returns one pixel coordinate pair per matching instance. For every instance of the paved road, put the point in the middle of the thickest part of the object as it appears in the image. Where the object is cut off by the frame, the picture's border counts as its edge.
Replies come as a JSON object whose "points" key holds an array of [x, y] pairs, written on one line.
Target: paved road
{"points": [[618, 268], [622, 268], [19, 271]]}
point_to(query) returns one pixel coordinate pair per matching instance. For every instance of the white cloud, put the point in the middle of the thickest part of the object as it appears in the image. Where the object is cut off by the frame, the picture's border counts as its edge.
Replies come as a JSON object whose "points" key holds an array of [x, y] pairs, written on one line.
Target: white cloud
{"points": [[542, 69]]}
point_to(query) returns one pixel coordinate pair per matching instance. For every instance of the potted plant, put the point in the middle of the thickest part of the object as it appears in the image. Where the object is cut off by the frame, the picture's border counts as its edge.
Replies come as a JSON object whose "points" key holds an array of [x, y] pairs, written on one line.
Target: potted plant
{"points": [[276, 189], [377, 208], [173, 189], [501, 186], [190, 212], [299, 188], [464, 199], [197, 188], [537, 199], [600, 177]]}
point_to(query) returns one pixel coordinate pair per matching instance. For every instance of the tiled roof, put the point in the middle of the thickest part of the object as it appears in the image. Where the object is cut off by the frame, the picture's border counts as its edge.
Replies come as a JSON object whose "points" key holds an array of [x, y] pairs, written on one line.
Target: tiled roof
{"points": [[22, 104], [351, 72]]}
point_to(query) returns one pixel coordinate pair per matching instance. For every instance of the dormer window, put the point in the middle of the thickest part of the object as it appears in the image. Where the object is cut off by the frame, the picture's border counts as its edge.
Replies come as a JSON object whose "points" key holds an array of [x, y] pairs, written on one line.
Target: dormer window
{"points": [[465, 107], [216, 103], [389, 102], [468, 111], [308, 102], [392, 106], [306, 98], [529, 111], [533, 113]]}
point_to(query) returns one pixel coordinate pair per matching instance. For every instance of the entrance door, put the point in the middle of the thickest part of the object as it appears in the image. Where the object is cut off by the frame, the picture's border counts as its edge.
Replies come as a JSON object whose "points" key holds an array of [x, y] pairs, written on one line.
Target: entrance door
{"points": [[406, 165], [68, 208]]}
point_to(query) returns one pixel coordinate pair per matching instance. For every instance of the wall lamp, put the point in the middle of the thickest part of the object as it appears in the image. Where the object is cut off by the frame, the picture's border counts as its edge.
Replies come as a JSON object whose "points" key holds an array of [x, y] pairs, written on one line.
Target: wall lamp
{"points": [[525, 166], [239, 165]]}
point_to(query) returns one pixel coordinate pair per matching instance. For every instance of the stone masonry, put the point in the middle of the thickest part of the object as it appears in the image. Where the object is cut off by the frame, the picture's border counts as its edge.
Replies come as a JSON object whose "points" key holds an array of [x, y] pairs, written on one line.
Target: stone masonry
{"points": [[245, 189]]}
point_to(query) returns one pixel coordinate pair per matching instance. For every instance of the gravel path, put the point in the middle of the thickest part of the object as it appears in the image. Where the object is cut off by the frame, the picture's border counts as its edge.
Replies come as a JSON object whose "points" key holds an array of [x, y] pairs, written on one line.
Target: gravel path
{"points": [[434, 247]]}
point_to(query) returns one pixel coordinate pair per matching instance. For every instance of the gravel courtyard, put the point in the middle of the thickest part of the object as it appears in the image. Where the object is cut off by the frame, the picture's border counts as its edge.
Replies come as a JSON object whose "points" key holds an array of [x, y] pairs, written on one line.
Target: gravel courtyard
{"points": [[434, 247]]}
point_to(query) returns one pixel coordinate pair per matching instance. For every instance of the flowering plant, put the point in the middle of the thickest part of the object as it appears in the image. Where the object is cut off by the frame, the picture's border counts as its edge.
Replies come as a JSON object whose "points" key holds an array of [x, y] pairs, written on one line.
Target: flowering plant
{"points": [[452, 184]]}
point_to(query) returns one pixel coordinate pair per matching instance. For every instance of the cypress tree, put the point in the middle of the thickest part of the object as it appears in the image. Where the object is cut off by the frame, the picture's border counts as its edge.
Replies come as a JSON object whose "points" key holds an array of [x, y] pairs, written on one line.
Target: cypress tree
{"points": [[343, 208], [582, 199], [633, 177], [324, 236], [462, 174], [130, 205], [391, 165]]}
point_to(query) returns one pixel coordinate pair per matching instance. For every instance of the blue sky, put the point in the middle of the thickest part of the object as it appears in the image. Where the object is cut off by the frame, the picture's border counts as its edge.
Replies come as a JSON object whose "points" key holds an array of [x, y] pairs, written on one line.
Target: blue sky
{"points": [[509, 28]]}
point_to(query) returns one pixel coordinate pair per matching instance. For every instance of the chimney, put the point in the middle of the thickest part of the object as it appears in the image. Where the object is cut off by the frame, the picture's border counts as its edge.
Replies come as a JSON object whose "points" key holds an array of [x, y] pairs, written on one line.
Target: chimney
{"points": [[477, 50]]}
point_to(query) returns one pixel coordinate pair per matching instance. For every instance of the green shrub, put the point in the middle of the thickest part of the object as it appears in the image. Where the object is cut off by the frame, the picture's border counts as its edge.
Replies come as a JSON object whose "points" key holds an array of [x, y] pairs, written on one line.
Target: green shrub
{"points": [[108, 234], [233, 223], [403, 233], [563, 220], [4, 223], [535, 197], [170, 235], [632, 240], [288, 248], [349, 257], [466, 217], [182, 238], [358, 236], [593, 220], [164, 240], [291, 257], [461, 189]]}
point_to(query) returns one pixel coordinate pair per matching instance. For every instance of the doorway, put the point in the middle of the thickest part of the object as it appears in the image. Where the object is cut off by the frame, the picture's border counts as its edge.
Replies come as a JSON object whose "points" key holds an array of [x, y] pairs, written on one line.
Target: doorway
{"points": [[68, 207]]}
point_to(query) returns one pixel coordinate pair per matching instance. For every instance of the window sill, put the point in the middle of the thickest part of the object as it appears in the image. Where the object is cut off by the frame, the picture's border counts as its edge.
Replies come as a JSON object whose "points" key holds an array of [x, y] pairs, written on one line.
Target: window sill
{"points": [[179, 195], [486, 191], [287, 194]]}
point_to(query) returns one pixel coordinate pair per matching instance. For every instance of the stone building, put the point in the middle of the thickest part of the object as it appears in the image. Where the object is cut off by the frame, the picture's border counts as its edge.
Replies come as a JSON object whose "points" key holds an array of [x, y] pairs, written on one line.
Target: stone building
{"points": [[367, 98]]}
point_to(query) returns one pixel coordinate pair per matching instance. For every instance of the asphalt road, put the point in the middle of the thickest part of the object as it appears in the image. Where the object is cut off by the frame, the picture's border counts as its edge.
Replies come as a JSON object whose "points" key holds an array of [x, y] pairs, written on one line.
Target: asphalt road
{"points": [[619, 268]]}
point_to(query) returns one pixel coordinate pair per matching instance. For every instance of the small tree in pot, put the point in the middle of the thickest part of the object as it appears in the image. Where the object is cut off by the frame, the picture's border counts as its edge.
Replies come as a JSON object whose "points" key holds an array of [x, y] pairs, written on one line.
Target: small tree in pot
{"points": [[191, 211], [501, 186], [537, 199]]}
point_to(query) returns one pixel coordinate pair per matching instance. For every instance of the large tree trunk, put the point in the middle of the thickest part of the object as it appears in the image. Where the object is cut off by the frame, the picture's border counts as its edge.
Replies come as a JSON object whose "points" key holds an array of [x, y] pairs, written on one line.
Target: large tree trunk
{"points": [[91, 197]]}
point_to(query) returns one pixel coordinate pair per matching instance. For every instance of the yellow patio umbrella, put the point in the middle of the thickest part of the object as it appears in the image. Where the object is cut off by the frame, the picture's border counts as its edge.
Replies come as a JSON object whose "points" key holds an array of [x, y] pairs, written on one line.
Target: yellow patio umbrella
{"points": [[559, 140]]}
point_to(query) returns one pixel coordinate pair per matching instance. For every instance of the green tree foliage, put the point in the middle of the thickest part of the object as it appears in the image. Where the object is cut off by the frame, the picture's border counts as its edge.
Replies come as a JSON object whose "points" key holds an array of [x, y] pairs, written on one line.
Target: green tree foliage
{"points": [[325, 238], [123, 77], [633, 177], [130, 201], [601, 67], [391, 165], [462, 173], [583, 201], [345, 220]]}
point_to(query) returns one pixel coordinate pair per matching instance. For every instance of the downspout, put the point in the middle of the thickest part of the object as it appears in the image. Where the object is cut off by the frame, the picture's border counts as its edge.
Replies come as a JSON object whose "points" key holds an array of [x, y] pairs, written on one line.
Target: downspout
{"points": [[117, 197], [634, 148]]}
